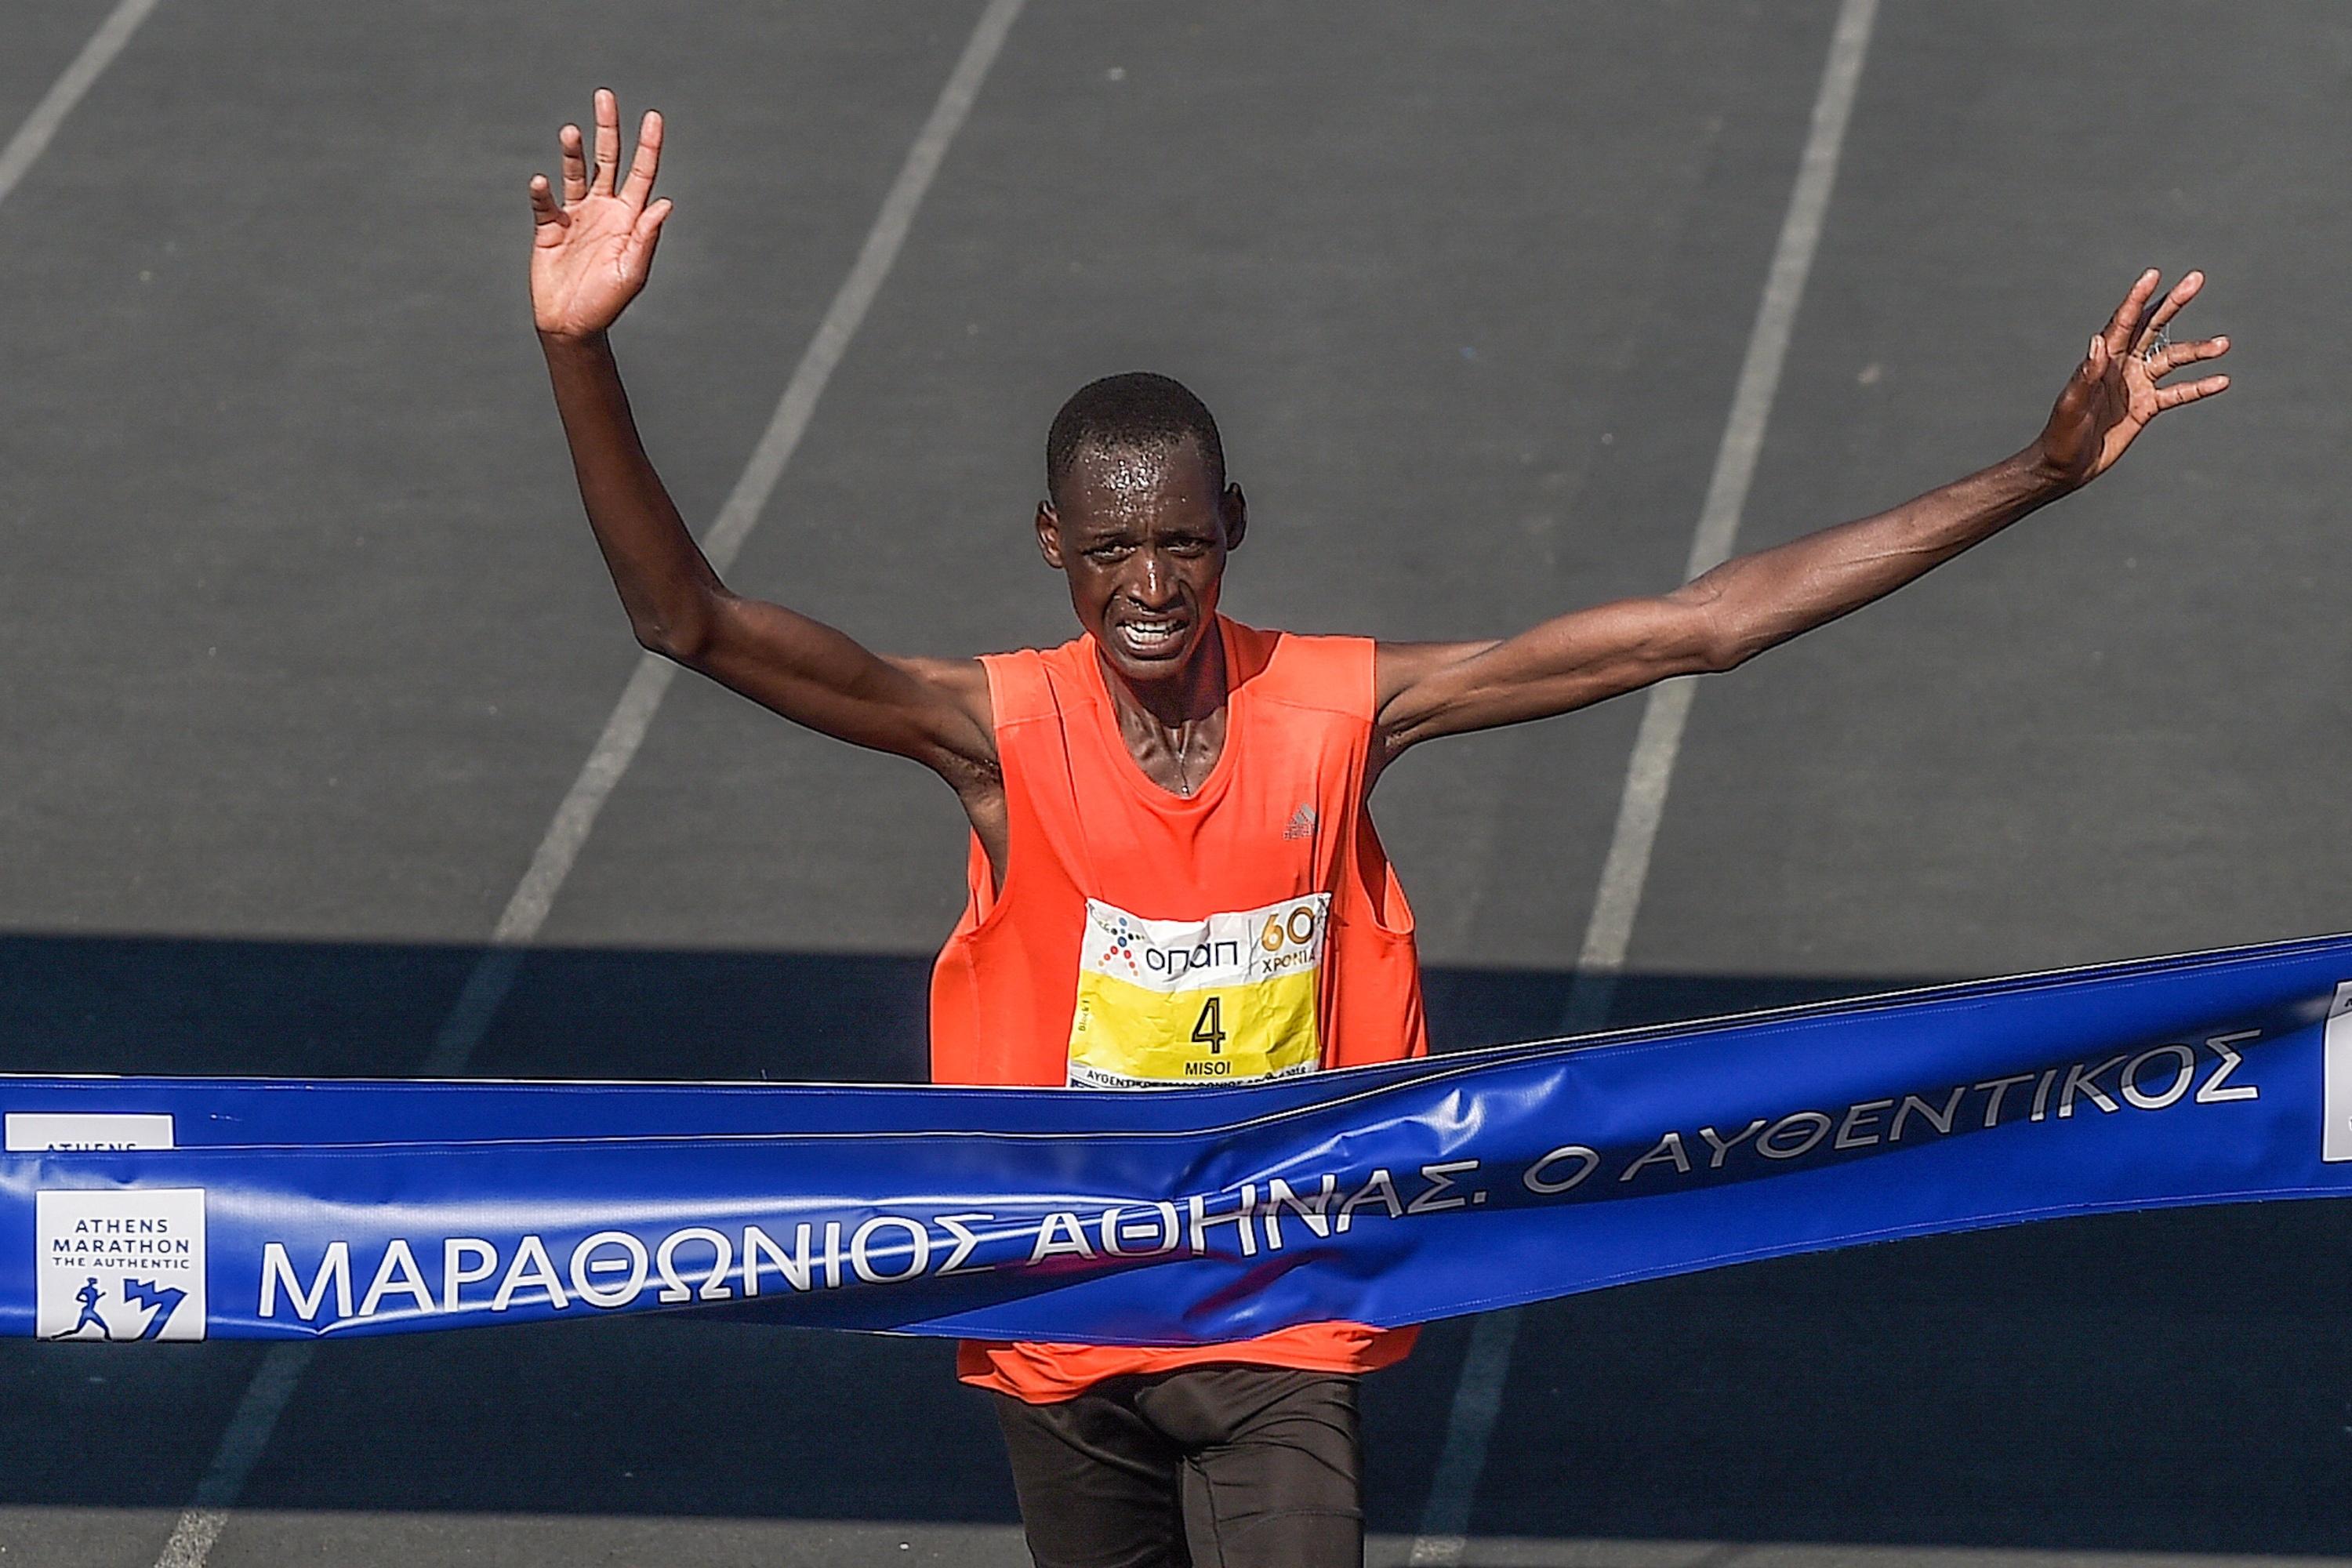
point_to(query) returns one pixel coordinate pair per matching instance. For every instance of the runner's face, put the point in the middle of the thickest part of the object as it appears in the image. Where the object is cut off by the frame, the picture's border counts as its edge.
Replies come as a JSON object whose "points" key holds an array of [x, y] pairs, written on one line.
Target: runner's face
{"points": [[1142, 537]]}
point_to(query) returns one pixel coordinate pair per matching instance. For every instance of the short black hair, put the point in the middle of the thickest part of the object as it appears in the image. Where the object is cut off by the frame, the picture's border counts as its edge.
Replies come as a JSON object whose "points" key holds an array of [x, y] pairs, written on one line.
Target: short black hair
{"points": [[1136, 408]]}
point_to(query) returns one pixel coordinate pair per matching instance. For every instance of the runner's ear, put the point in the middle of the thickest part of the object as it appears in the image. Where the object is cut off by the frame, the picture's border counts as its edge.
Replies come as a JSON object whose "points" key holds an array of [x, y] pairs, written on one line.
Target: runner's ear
{"points": [[1049, 534], [1235, 509]]}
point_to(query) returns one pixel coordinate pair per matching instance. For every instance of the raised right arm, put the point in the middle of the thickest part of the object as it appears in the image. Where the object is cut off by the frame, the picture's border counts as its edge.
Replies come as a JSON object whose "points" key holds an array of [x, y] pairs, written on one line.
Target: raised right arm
{"points": [[590, 255]]}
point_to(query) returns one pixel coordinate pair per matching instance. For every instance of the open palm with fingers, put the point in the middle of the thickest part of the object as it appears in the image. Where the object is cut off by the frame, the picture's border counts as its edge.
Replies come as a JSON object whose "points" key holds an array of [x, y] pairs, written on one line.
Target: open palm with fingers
{"points": [[2116, 390], [590, 253]]}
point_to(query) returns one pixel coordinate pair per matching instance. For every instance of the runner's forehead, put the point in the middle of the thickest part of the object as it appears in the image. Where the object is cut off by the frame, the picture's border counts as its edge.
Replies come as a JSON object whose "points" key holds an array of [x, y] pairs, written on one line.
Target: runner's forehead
{"points": [[1131, 480]]}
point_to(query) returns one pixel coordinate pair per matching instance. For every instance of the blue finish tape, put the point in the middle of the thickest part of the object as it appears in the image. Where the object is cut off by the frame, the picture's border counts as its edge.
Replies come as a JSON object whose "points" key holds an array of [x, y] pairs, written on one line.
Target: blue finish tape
{"points": [[183, 1208]]}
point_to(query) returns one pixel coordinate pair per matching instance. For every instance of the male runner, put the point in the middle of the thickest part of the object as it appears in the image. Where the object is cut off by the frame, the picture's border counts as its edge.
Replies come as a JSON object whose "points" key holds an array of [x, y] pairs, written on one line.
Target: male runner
{"points": [[1173, 876]]}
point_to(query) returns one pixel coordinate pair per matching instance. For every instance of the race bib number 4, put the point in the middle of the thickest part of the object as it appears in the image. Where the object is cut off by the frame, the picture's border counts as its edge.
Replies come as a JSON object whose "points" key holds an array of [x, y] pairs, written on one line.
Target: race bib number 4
{"points": [[1222, 1000]]}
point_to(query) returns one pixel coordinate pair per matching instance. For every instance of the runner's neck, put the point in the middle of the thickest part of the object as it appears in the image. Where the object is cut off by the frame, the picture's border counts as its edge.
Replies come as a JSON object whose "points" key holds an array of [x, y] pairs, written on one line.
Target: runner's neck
{"points": [[1174, 730]]}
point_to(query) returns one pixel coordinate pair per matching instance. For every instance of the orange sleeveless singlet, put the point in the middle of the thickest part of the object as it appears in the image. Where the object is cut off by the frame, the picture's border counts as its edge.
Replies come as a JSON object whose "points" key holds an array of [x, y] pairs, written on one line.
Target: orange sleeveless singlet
{"points": [[1143, 938]]}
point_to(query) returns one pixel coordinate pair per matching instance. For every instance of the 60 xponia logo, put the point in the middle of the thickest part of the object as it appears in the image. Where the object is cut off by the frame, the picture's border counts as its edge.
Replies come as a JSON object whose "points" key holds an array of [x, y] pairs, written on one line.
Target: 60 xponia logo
{"points": [[116, 1265]]}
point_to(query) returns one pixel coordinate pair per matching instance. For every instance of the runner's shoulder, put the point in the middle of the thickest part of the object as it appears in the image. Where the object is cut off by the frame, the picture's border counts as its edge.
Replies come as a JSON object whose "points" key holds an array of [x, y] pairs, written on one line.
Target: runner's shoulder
{"points": [[959, 688], [965, 678]]}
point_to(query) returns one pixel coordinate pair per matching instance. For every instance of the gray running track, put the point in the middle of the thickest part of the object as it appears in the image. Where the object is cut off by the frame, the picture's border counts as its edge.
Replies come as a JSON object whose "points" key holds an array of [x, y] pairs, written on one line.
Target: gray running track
{"points": [[303, 641]]}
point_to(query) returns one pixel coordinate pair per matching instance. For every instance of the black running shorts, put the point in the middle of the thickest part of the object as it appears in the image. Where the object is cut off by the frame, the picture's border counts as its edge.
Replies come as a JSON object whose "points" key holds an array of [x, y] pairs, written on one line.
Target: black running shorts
{"points": [[1258, 1466]]}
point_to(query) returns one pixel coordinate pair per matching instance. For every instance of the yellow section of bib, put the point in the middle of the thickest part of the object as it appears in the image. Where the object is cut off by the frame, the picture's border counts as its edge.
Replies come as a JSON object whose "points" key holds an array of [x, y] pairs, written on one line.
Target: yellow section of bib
{"points": [[1126, 1036]]}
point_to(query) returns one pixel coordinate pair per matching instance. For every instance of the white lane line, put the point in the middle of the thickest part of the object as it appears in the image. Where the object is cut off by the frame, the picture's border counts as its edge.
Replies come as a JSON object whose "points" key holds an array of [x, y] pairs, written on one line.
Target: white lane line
{"points": [[32, 137], [248, 1433], [494, 974], [1478, 1397]]}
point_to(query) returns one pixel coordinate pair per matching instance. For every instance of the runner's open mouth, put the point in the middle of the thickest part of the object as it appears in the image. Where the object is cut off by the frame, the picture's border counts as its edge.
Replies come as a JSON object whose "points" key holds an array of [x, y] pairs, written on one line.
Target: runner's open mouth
{"points": [[1157, 637]]}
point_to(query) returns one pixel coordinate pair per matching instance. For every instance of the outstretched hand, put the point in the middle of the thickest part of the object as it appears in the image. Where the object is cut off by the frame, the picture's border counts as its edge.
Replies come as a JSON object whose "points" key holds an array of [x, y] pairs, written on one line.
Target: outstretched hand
{"points": [[2115, 392], [591, 253]]}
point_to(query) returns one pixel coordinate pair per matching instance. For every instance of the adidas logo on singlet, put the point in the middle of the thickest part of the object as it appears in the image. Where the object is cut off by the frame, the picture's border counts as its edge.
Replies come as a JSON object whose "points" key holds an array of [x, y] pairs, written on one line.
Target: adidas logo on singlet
{"points": [[1302, 823]]}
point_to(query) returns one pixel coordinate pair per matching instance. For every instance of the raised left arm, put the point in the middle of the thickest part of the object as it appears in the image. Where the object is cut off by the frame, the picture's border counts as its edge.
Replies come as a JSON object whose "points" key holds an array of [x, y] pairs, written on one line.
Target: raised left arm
{"points": [[1720, 620]]}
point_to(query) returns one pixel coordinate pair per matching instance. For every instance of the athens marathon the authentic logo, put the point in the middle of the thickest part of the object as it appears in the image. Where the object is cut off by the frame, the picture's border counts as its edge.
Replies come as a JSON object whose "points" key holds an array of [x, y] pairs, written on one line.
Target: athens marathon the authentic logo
{"points": [[117, 1265]]}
